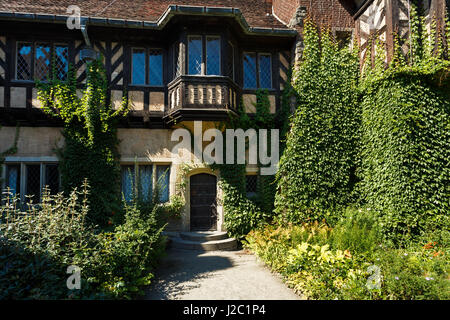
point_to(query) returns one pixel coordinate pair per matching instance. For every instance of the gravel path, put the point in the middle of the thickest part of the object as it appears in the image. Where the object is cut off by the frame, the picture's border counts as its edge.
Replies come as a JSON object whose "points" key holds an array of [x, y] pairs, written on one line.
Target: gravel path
{"points": [[216, 275]]}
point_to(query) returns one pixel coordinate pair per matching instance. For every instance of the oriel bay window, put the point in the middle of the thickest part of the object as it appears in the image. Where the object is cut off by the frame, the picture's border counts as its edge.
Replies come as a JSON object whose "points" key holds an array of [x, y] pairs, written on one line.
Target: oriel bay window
{"points": [[204, 55], [39, 60], [147, 67], [257, 70], [29, 179], [139, 180]]}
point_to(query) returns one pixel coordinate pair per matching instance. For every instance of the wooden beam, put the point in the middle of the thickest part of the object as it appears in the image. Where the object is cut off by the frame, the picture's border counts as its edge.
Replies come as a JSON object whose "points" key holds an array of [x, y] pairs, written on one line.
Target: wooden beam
{"points": [[389, 30]]}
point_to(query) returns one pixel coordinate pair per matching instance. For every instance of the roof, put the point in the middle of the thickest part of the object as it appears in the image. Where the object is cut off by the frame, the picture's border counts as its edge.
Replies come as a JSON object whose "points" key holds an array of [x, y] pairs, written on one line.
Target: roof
{"points": [[253, 11]]}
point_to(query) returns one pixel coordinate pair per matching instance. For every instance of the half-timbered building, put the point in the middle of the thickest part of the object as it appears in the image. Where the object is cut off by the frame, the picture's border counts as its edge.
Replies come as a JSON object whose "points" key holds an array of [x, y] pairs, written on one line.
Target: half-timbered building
{"points": [[178, 62]]}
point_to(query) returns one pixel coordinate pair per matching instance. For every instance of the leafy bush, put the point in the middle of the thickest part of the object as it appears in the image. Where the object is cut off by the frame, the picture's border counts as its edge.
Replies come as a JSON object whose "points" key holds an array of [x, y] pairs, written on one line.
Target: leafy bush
{"points": [[320, 262], [241, 214], [317, 169], [39, 244]]}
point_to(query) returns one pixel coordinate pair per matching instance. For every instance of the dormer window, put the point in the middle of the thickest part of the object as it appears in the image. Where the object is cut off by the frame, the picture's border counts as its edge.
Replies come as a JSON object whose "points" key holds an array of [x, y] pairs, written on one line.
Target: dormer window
{"points": [[204, 55]]}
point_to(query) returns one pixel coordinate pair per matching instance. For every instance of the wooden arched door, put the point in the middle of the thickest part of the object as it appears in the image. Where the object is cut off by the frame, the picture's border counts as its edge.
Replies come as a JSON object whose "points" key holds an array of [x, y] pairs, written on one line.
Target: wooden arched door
{"points": [[203, 193]]}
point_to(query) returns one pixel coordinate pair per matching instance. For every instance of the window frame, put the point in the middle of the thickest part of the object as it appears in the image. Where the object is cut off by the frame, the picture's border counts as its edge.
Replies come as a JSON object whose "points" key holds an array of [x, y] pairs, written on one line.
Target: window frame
{"points": [[258, 69], [206, 54], [154, 181], [270, 69], [232, 61], [147, 66], [251, 194], [204, 57], [34, 43], [22, 165], [16, 60], [203, 67]]}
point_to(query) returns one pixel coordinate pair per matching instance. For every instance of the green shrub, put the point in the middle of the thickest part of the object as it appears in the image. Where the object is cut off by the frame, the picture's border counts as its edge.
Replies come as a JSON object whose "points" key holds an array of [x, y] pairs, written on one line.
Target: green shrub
{"points": [[316, 173], [356, 231], [130, 253], [37, 246], [241, 214], [318, 262]]}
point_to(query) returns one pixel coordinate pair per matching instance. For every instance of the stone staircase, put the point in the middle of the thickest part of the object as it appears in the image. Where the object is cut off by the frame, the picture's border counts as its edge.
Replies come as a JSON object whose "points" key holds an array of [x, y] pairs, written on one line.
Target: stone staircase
{"points": [[201, 240]]}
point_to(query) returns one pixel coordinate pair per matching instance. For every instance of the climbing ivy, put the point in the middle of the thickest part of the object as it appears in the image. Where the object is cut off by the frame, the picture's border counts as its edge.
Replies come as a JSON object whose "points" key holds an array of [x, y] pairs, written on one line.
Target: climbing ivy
{"points": [[317, 171], [90, 132], [405, 135], [241, 213]]}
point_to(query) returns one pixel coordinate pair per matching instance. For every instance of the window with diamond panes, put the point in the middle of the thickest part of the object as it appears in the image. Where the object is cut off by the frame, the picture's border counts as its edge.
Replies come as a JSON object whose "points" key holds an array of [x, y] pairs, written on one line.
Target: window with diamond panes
{"points": [[195, 55], [145, 182], [13, 178], [42, 58], [138, 67], [33, 182], [251, 185], [231, 61], [250, 70], [212, 55], [61, 61], [162, 176], [24, 61], [177, 60], [155, 63], [52, 178], [265, 71], [128, 182]]}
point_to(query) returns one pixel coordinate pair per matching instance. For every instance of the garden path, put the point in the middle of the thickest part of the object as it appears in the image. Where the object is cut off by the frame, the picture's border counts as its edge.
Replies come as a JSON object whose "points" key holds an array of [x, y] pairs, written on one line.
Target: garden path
{"points": [[215, 275]]}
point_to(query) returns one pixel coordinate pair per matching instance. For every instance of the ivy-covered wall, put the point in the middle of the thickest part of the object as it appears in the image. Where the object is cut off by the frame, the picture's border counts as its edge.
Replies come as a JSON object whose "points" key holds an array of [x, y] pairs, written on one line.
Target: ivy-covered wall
{"points": [[406, 135], [316, 174], [90, 133]]}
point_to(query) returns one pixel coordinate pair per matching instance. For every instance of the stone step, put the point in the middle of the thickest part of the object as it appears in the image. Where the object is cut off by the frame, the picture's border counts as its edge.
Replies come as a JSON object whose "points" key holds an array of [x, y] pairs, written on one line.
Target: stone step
{"points": [[214, 245], [203, 236]]}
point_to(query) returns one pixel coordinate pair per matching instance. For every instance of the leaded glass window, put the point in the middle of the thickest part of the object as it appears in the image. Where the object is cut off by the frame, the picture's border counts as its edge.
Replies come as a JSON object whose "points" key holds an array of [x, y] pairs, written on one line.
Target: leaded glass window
{"points": [[145, 182], [231, 61], [13, 178], [155, 62], [42, 62], [250, 70], [163, 175], [212, 55], [24, 61], [251, 184], [128, 182], [265, 71], [177, 59], [257, 70], [61, 61], [33, 182], [52, 178], [195, 55], [138, 67]]}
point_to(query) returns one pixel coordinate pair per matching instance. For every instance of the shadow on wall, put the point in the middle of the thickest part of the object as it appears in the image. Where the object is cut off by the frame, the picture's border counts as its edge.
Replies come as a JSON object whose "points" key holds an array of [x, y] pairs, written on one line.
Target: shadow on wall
{"points": [[183, 266]]}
